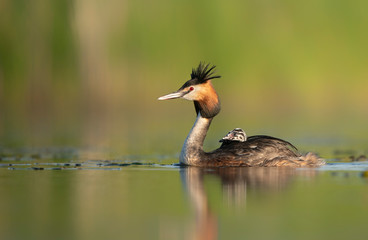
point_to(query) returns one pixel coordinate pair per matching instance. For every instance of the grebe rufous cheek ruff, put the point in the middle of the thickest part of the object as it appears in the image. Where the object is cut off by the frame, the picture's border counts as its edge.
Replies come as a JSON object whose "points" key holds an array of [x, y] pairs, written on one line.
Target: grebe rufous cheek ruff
{"points": [[237, 149]]}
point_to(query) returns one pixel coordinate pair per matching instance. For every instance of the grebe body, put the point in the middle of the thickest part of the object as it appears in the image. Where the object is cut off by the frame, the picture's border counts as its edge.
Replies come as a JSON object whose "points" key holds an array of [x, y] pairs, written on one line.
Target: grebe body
{"points": [[237, 149]]}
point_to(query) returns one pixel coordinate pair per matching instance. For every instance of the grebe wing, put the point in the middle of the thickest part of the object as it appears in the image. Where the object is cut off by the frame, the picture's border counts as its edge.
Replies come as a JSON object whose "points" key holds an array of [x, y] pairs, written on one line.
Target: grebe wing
{"points": [[269, 139], [259, 144]]}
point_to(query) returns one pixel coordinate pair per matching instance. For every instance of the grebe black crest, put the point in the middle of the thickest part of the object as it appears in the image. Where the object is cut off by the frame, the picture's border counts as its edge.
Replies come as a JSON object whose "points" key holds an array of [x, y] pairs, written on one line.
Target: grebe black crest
{"points": [[237, 149]]}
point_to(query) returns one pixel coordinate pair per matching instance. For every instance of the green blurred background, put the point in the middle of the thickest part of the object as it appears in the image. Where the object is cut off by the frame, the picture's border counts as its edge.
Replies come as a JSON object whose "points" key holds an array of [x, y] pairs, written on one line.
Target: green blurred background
{"points": [[87, 73]]}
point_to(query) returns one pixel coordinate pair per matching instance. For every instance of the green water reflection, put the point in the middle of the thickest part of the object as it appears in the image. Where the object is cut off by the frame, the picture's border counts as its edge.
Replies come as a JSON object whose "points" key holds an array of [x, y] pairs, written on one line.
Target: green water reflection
{"points": [[168, 202]]}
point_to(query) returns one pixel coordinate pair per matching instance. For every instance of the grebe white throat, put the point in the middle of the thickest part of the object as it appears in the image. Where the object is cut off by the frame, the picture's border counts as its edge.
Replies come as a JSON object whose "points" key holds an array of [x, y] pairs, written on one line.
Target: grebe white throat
{"points": [[193, 146]]}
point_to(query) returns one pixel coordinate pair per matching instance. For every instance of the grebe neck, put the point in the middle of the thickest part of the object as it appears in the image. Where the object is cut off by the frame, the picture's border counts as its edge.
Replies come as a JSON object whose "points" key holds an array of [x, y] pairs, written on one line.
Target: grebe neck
{"points": [[192, 151]]}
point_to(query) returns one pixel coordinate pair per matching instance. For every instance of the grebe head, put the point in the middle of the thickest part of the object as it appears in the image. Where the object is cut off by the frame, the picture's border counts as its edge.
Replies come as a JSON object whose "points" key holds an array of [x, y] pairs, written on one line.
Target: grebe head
{"points": [[200, 90]]}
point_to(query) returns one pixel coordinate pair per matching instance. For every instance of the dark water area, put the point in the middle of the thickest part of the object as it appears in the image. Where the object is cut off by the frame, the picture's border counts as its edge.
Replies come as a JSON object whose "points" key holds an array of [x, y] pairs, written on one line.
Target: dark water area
{"points": [[57, 194]]}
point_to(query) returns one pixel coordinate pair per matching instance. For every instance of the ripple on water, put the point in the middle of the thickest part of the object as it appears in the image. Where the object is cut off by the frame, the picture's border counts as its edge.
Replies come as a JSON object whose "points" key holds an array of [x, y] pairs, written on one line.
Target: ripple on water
{"points": [[345, 166]]}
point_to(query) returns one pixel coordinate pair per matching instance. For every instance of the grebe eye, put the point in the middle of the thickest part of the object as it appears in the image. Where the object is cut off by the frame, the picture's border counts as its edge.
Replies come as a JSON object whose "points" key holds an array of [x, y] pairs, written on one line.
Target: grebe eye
{"points": [[191, 88]]}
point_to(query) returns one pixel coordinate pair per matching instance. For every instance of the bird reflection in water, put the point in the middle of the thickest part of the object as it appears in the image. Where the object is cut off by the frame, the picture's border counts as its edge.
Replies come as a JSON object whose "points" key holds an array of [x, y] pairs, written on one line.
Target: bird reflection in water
{"points": [[235, 182]]}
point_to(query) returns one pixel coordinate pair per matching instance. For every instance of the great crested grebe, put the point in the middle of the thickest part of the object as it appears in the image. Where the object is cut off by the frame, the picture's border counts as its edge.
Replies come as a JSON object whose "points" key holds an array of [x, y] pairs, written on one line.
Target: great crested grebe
{"points": [[237, 149]]}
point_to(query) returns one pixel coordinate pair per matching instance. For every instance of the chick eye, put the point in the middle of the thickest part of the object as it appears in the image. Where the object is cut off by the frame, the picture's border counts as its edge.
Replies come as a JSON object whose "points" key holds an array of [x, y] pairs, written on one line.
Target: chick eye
{"points": [[191, 88]]}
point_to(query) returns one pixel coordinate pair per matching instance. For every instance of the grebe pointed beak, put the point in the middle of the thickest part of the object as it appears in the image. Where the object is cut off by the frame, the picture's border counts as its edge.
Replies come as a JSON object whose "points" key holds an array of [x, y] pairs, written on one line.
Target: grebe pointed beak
{"points": [[173, 95]]}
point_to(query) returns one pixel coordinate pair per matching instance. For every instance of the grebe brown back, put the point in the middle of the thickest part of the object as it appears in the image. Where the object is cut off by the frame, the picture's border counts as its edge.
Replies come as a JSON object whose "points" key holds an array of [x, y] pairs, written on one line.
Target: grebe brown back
{"points": [[237, 149]]}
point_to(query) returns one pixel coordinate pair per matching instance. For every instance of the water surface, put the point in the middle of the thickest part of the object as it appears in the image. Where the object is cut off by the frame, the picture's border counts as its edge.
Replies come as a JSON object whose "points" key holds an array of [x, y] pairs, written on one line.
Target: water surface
{"points": [[134, 199]]}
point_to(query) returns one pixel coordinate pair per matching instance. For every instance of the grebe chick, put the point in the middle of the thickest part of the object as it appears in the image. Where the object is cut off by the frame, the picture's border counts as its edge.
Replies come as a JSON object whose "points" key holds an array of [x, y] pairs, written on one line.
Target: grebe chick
{"points": [[236, 134], [254, 151]]}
